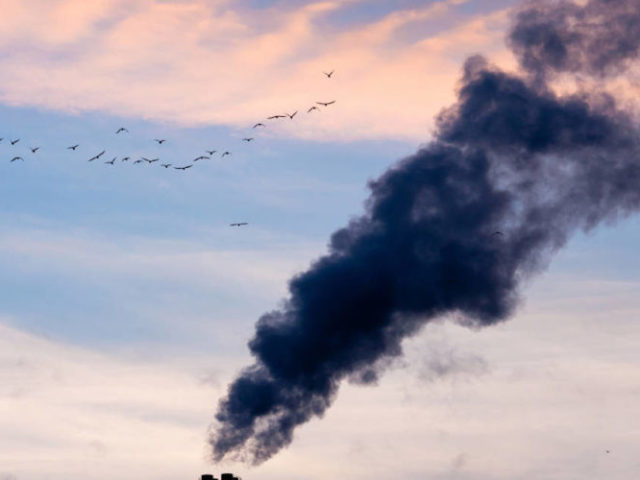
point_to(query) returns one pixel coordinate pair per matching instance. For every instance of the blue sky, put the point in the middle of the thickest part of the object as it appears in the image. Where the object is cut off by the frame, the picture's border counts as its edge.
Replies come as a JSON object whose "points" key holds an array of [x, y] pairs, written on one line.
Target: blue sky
{"points": [[127, 300]]}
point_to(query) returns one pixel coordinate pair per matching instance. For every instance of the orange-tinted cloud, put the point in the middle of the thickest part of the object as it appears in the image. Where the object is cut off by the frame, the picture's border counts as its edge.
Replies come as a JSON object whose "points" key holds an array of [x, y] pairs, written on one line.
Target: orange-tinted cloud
{"points": [[197, 62]]}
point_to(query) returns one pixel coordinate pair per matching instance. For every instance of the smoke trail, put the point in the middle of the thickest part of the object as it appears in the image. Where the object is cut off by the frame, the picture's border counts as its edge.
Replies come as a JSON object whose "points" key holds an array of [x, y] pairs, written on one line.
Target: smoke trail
{"points": [[599, 38], [512, 172]]}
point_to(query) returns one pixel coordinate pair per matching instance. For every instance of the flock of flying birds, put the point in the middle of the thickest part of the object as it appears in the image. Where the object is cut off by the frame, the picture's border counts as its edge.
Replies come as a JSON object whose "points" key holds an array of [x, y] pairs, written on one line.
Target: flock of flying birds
{"points": [[209, 153]]}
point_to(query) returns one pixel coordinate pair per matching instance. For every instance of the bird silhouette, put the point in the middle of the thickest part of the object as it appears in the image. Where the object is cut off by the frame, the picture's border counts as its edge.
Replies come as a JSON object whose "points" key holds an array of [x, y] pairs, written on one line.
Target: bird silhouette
{"points": [[247, 139], [13, 142], [211, 152], [312, 109], [240, 224], [329, 74], [112, 161], [14, 159], [183, 168], [225, 153], [275, 117], [259, 124], [150, 160], [201, 157], [125, 159], [498, 233], [1, 139], [96, 157], [34, 150], [73, 147], [122, 129], [326, 104], [159, 140], [292, 114], [165, 165], [138, 161]]}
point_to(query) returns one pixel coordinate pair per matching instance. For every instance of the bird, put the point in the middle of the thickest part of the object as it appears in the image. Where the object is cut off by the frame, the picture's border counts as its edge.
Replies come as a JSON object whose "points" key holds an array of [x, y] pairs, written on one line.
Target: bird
{"points": [[1, 139], [13, 142], [312, 109], [122, 129], [225, 153], [259, 124], [16, 158], [247, 139], [150, 160], [201, 157], [275, 117], [292, 115], [498, 233], [112, 161], [326, 104], [138, 161], [96, 157], [159, 140], [211, 152], [34, 150], [165, 165], [183, 168], [240, 224], [329, 74], [73, 147], [125, 159]]}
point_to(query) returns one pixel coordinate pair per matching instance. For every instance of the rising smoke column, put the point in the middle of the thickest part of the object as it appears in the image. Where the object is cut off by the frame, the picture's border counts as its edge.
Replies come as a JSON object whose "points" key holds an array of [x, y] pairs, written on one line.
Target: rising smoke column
{"points": [[509, 157]]}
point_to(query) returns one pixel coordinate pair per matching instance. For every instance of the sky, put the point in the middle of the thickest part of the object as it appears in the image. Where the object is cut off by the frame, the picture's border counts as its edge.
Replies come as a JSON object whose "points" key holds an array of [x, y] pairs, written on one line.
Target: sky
{"points": [[126, 300]]}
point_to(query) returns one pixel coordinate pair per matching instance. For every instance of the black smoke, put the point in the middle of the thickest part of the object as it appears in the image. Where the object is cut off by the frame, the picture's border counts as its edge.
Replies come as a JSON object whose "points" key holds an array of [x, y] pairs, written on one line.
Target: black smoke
{"points": [[513, 170], [599, 38]]}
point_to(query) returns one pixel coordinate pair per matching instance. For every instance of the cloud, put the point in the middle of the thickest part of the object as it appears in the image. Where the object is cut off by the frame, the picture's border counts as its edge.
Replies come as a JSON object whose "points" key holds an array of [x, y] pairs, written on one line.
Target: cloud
{"points": [[80, 410], [205, 63]]}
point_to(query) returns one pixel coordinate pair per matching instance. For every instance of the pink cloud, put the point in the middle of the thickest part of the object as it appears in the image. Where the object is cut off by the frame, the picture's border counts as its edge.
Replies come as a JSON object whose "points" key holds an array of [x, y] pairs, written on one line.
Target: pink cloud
{"points": [[196, 62]]}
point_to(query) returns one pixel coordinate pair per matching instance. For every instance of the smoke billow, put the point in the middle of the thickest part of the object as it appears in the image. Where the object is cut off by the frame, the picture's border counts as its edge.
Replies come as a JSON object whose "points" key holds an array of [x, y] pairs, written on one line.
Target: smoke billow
{"points": [[512, 172]]}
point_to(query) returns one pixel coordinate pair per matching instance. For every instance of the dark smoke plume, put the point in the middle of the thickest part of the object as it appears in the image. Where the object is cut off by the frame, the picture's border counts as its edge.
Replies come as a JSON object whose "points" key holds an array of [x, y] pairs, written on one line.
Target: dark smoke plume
{"points": [[599, 38], [513, 170]]}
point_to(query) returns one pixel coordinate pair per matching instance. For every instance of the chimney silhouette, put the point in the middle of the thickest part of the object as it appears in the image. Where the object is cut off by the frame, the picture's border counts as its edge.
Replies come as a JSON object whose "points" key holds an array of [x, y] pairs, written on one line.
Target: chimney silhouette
{"points": [[224, 476]]}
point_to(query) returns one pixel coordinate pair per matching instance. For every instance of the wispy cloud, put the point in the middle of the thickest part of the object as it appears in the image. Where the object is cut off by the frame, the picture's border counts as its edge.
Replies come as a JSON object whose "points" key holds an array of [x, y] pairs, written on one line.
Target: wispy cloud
{"points": [[196, 63]]}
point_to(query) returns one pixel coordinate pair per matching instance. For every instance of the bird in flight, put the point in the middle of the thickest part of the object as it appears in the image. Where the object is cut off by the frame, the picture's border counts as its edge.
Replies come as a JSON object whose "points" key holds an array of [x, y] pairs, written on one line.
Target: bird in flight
{"points": [[73, 147], [1, 139], [247, 139], [165, 165], [329, 74], [150, 160], [159, 140], [96, 157], [13, 142], [201, 157], [138, 161], [312, 109], [240, 224], [34, 150], [211, 152], [498, 233], [225, 153], [326, 104], [292, 115], [112, 161], [259, 124], [275, 117], [122, 129], [183, 168], [16, 158], [125, 159]]}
